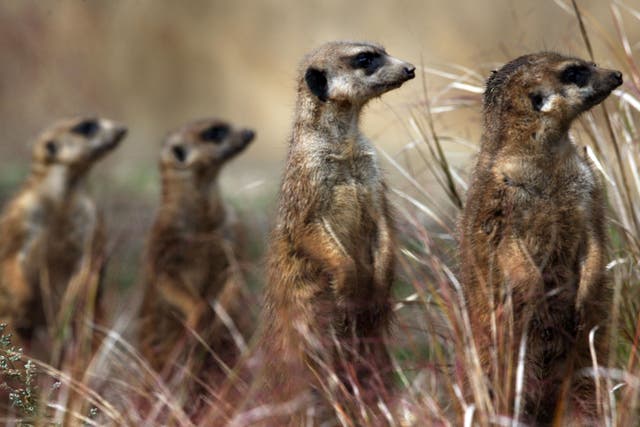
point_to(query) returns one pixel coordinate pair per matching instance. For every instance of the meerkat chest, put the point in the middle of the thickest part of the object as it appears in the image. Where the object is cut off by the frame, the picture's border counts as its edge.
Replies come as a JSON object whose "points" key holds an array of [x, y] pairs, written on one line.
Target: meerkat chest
{"points": [[55, 229], [356, 168], [354, 205], [69, 238], [353, 181], [550, 210], [201, 261]]}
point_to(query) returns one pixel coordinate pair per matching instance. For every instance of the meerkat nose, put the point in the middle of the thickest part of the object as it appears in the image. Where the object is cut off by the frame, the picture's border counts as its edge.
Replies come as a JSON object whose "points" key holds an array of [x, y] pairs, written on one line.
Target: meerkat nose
{"points": [[410, 71], [616, 77], [248, 135], [121, 132], [118, 134]]}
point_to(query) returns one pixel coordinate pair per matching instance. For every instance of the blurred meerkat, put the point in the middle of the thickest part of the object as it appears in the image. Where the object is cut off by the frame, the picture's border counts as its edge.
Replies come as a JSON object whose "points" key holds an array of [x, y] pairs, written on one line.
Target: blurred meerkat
{"points": [[51, 229], [192, 243], [330, 261], [533, 237]]}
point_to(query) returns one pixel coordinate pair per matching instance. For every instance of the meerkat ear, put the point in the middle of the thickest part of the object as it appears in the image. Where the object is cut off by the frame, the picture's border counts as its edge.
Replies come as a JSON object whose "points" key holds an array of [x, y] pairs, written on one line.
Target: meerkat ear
{"points": [[317, 82], [544, 103], [179, 153], [51, 149], [537, 100]]}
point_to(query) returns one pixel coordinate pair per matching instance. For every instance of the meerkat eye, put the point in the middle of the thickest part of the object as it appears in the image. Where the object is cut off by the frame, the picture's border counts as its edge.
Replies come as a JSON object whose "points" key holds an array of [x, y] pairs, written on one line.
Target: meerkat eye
{"points": [[179, 153], [576, 74], [366, 60], [215, 133], [86, 128]]}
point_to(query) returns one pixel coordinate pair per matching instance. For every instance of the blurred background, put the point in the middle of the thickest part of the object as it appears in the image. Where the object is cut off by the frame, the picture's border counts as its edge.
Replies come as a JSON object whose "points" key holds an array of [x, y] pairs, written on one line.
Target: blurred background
{"points": [[155, 64]]}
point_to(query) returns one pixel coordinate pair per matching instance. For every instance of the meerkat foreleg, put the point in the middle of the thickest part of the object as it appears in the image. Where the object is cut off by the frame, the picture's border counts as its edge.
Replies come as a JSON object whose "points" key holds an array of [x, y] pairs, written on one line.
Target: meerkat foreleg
{"points": [[383, 252], [523, 278], [15, 274], [590, 273], [20, 291], [176, 294], [321, 244]]}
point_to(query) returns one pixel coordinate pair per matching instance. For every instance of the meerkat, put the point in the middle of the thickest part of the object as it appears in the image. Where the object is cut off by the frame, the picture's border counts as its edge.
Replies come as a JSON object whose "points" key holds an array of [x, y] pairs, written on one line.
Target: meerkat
{"points": [[330, 261], [533, 235], [51, 229], [192, 242]]}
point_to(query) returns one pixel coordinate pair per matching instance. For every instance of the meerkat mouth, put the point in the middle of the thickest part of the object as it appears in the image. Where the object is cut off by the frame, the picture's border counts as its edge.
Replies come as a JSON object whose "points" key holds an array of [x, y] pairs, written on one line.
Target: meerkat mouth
{"points": [[613, 81], [397, 83], [389, 86], [232, 151], [115, 141], [109, 144], [598, 97], [120, 134]]}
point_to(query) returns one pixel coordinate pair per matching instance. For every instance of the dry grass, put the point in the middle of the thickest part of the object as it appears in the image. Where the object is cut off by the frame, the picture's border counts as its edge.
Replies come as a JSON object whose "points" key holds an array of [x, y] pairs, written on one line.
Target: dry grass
{"points": [[432, 348]]}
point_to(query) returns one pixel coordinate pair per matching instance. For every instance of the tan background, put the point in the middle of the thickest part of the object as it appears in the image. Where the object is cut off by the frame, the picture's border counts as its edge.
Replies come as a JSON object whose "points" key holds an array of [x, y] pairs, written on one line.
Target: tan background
{"points": [[157, 63]]}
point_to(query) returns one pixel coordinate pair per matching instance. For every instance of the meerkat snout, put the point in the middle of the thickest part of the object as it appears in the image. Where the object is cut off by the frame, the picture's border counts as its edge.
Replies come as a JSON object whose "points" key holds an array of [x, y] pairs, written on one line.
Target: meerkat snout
{"points": [[248, 135], [605, 81], [111, 133]]}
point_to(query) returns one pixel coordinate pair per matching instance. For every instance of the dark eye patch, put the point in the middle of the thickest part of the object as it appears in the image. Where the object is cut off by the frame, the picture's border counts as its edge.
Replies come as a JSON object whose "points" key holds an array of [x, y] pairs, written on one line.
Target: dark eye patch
{"points": [[576, 74], [368, 61], [216, 133], [86, 128]]}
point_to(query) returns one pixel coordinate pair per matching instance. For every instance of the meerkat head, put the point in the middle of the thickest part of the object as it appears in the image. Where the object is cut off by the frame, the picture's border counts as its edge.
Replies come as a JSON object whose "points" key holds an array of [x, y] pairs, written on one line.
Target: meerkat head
{"points": [[204, 145], [77, 143], [351, 72], [547, 89]]}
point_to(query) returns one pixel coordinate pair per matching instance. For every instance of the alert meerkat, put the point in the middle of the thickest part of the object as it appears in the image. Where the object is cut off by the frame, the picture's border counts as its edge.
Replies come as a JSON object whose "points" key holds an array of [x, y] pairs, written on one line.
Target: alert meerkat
{"points": [[51, 228], [533, 237], [330, 260], [192, 242]]}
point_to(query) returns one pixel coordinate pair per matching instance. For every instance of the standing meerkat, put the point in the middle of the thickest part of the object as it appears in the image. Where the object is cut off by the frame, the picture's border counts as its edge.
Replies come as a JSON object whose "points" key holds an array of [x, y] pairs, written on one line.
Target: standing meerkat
{"points": [[51, 229], [192, 242], [533, 235], [331, 262]]}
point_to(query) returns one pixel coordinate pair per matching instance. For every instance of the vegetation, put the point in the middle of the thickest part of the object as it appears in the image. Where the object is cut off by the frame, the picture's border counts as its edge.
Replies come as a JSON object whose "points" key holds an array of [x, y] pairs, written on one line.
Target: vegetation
{"points": [[431, 342]]}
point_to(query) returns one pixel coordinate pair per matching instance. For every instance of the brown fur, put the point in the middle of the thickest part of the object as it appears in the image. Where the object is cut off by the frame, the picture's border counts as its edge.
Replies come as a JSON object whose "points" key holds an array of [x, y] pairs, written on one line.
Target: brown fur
{"points": [[533, 238], [192, 244], [330, 262], [51, 231]]}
